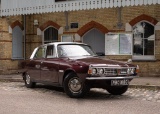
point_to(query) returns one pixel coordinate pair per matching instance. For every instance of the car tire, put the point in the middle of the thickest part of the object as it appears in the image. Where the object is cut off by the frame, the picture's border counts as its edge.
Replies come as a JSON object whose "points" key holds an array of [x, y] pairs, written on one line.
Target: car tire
{"points": [[74, 87], [28, 81], [116, 90]]}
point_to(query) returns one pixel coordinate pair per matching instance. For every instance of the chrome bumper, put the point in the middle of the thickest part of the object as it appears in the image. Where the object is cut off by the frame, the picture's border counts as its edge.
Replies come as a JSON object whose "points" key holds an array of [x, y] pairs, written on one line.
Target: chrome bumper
{"points": [[111, 78]]}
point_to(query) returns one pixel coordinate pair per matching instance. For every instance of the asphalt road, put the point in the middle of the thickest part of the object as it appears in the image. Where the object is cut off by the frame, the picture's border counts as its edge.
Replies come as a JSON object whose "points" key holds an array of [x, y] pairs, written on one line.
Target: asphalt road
{"points": [[15, 98]]}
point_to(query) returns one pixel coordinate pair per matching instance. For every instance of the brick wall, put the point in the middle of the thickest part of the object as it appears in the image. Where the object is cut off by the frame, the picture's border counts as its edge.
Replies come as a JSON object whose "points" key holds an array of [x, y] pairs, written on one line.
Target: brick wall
{"points": [[7, 65], [106, 17]]}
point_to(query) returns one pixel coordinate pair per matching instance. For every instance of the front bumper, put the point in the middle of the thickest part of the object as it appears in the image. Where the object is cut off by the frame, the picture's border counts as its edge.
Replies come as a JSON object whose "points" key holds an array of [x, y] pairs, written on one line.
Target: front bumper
{"points": [[111, 78]]}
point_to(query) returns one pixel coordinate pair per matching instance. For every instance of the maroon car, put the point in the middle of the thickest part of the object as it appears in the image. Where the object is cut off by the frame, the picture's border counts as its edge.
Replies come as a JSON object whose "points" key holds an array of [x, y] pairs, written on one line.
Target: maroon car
{"points": [[76, 68]]}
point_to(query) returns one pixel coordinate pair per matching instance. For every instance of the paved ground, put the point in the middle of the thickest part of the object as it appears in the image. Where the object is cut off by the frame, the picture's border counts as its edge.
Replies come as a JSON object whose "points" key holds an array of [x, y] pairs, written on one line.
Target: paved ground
{"points": [[146, 81], [138, 93], [143, 97], [15, 98]]}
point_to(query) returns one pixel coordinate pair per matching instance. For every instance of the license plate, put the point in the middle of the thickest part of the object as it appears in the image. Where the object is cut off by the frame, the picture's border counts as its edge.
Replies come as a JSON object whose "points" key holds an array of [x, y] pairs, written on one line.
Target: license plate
{"points": [[119, 82]]}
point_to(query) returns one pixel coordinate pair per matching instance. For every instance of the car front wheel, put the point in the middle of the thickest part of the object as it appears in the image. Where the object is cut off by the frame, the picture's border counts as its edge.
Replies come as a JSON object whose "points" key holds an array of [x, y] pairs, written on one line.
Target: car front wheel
{"points": [[74, 87], [116, 90], [28, 81]]}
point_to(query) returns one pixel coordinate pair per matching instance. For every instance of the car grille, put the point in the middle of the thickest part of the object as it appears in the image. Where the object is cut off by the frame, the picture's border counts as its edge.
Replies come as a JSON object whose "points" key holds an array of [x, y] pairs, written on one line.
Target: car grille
{"points": [[113, 72], [110, 71], [123, 71]]}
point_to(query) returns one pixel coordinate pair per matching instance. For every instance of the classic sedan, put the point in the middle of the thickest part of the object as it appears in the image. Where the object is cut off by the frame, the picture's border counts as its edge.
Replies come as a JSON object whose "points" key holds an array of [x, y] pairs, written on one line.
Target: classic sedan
{"points": [[76, 68]]}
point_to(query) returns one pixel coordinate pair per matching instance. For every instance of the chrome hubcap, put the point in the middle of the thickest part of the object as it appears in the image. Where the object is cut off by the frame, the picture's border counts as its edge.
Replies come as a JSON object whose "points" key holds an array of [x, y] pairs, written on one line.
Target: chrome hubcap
{"points": [[75, 85], [28, 79]]}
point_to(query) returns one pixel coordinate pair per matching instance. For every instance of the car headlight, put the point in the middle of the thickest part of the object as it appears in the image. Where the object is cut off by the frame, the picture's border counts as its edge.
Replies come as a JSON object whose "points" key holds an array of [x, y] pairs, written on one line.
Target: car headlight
{"points": [[101, 71], [131, 71], [94, 71]]}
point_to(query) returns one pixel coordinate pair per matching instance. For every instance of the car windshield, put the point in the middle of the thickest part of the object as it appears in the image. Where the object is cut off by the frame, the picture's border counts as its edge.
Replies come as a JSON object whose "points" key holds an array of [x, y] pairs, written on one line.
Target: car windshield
{"points": [[71, 50]]}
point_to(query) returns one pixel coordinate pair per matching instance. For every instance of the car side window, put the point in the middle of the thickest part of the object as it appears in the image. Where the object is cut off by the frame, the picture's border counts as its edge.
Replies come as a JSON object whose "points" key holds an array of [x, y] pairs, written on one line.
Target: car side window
{"points": [[50, 51], [40, 53]]}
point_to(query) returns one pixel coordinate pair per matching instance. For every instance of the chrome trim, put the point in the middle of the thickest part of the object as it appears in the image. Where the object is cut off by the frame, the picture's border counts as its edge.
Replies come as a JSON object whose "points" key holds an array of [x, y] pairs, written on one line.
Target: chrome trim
{"points": [[61, 70], [113, 67], [112, 71], [110, 78]]}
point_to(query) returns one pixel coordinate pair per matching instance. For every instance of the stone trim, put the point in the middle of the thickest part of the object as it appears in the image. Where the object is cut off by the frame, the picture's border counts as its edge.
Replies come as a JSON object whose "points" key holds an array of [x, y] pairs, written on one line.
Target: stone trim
{"points": [[17, 23], [116, 31], [33, 42], [3, 31], [5, 59], [69, 32], [49, 23], [89, 26], [5, 41], [143, 17]]}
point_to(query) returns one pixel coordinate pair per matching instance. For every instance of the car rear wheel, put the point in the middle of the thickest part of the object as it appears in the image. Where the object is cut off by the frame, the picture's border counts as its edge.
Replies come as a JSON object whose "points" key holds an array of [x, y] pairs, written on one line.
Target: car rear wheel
{"points": [[28, 81], [74, 87], [117, 90]]}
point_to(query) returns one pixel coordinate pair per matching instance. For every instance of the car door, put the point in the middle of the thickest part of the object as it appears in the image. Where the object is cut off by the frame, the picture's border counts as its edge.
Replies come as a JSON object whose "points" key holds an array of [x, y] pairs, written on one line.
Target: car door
{"points": [[35, 63], [50, 65]]}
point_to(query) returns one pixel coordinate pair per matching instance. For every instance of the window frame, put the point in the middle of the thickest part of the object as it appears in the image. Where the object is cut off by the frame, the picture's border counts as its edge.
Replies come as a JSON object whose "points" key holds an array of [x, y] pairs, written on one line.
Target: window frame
{"points": [[67, 36], [35, 53], [144, 57], [43, 34], [15, 40], [54, 54], [118, 35]]}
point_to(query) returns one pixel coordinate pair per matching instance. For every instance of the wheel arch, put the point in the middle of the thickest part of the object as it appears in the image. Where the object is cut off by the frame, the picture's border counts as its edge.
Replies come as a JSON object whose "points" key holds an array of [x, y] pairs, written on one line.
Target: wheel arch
{"points": [[66, 73], [23, 75]]}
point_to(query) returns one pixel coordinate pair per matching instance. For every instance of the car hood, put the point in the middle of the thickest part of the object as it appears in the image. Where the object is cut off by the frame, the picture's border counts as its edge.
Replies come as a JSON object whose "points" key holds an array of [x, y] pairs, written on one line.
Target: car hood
{"points": [[100, 62]]}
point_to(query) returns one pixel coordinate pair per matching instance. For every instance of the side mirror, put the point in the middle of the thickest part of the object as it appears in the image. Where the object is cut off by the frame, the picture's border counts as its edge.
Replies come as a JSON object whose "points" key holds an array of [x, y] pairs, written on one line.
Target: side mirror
{"points": [[100, 53]]}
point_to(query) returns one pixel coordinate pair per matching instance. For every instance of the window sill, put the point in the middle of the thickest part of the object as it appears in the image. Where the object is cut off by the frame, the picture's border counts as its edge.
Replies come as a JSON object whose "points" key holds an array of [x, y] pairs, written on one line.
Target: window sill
{"points": [[17, 59], [143, 58]]}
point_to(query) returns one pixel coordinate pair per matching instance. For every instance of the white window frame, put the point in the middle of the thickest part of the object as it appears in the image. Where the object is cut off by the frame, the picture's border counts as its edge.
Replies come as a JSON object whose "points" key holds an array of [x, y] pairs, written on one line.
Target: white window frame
{"points": [[131, 45], [144, 57], [67, 36]]}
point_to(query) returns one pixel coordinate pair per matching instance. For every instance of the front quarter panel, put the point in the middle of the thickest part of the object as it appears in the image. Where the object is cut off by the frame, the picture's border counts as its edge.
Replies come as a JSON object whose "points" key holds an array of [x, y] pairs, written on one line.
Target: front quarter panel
{"points": [[67, 66]]}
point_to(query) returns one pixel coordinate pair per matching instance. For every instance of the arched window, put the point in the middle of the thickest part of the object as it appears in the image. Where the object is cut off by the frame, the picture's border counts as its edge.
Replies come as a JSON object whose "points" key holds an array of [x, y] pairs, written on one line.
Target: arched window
{"points": [[143, 40], [17, 43], [50, 35]]}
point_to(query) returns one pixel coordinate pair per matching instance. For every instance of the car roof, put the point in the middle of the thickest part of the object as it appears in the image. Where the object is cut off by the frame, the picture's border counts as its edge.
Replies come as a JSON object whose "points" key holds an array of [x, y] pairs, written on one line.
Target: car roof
{"points": [[58, 43]]}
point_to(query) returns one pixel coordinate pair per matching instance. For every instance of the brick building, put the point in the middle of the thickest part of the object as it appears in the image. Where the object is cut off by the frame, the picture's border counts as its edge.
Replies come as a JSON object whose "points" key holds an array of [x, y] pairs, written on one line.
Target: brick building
{"points": [[118, 29]]}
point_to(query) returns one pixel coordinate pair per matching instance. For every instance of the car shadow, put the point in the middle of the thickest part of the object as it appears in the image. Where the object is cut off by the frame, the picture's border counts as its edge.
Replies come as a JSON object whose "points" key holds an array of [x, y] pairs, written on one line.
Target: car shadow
{"points": [[49, 88], [93, 94], [104, 95]]}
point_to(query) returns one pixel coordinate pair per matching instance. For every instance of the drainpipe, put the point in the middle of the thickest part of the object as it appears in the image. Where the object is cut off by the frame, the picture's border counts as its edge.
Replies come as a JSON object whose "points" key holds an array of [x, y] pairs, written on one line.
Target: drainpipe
{"points": [[0, 8], [66, 16], [24, 23], [119, 24]]}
